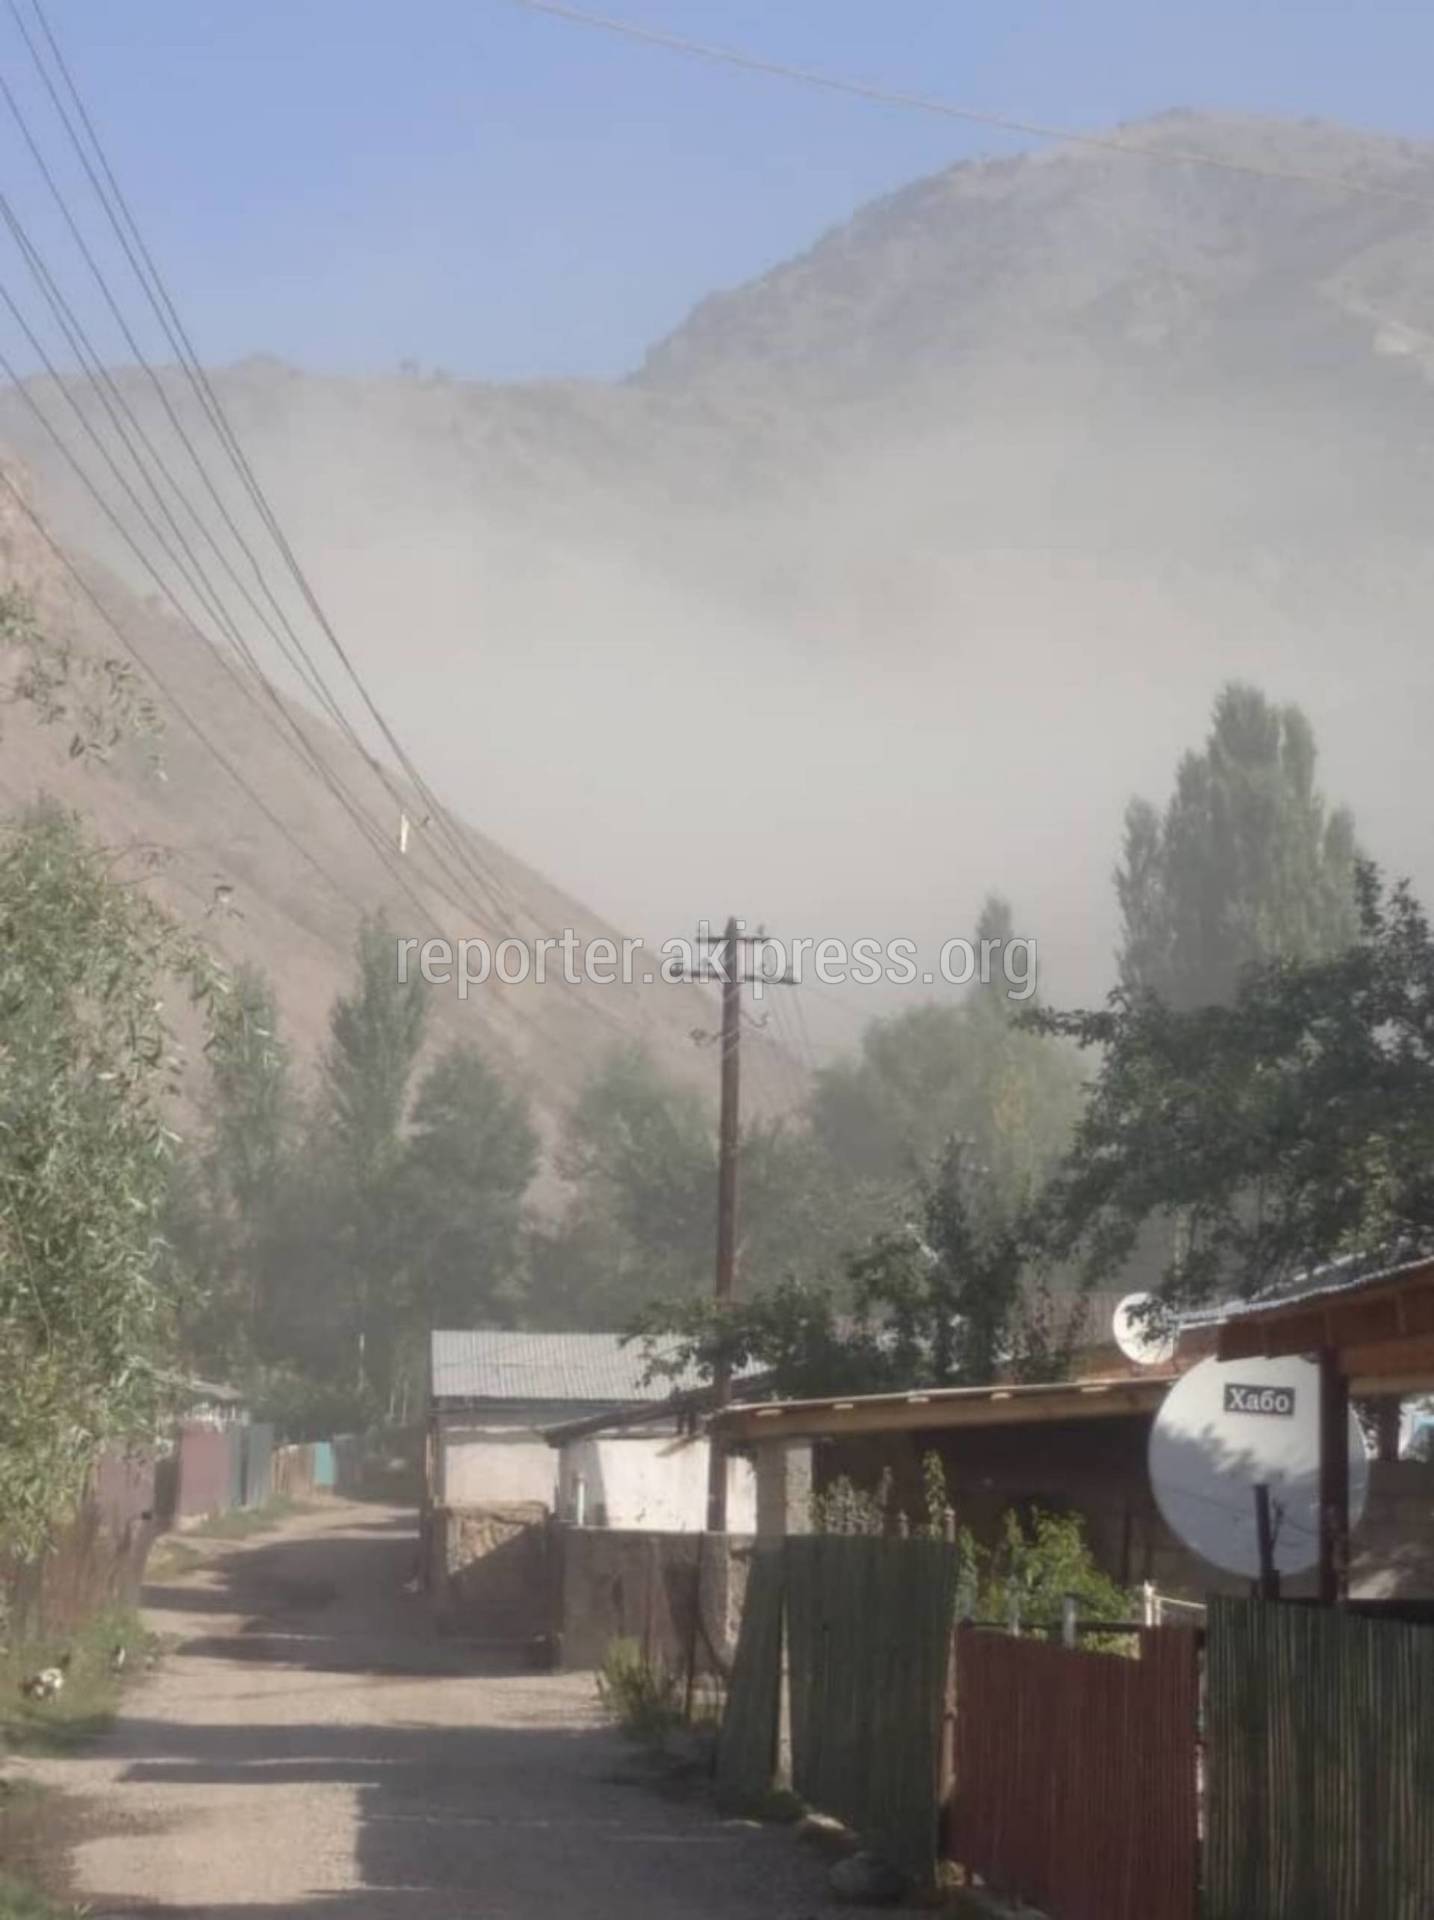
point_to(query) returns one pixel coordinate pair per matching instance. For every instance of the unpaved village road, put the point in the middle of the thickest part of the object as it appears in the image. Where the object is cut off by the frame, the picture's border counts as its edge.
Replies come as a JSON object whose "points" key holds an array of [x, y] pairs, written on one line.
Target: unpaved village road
{"points": [[309, 1748]]}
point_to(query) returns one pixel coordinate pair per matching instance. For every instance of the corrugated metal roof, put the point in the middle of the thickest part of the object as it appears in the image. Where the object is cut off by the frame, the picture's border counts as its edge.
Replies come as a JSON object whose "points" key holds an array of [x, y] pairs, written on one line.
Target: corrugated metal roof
{"points": [[996, 1405], [589, 1368], [1350, 1273]]}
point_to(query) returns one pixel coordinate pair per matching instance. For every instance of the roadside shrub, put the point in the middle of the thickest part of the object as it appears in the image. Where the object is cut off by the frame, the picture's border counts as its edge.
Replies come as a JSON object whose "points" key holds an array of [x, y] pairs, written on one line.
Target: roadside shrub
{"points": [[642, 1695]]}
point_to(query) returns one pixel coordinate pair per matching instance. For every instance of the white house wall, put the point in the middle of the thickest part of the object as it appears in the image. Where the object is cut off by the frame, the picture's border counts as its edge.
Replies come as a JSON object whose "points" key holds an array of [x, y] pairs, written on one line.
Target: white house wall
{"points": [[654, 1483], [495, 1466]]}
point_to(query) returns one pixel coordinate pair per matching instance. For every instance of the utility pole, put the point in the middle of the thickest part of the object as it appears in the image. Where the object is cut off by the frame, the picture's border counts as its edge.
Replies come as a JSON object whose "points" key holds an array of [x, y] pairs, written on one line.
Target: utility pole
{"points": [[727, 969]]}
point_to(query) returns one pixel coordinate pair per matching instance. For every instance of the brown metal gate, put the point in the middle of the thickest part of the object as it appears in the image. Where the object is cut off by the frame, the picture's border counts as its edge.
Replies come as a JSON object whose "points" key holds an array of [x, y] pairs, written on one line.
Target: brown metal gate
{"points": [[1076, 1774]]}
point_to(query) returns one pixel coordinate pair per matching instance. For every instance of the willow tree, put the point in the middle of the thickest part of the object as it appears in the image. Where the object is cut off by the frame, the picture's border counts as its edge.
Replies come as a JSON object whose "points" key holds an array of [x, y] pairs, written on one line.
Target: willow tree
{"points": [[86, 1062]]}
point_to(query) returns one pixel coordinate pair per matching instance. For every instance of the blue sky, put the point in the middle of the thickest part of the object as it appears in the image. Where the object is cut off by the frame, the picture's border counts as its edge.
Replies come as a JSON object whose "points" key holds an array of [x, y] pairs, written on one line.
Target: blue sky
{"points": [[349, 183]]}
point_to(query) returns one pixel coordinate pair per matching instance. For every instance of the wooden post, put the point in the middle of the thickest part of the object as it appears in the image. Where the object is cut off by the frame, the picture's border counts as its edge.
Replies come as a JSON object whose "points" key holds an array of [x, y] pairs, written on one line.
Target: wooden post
{"points": [[946, 1773], [728, 1141], [1068, 1620], [1333, 1480], [1268, 1587]]}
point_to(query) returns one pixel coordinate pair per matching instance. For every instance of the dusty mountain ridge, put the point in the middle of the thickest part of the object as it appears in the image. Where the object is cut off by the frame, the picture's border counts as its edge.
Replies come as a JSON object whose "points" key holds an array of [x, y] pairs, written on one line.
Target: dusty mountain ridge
{"points": [[1078, 431], [171, 813]]}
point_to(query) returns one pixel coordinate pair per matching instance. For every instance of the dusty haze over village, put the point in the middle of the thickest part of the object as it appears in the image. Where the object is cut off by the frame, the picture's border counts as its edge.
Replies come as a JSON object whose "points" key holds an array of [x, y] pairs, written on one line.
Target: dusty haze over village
{"points": [[529, 541], [891, 576]]}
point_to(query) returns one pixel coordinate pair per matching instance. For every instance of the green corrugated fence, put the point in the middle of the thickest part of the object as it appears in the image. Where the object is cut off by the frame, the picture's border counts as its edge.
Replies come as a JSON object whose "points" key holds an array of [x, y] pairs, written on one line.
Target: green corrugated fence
{"points": [[868, 1631], [747, 1749], [1320, 1786]]}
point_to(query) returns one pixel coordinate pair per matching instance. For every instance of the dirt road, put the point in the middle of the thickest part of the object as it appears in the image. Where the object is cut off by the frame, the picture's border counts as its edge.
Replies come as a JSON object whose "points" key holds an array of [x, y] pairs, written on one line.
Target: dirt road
{"points": [[309, 1748]]}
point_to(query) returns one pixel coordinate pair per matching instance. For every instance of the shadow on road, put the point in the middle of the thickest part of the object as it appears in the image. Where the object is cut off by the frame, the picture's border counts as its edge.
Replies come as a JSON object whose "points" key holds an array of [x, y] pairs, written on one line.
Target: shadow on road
{"points": [[445, 1782]]}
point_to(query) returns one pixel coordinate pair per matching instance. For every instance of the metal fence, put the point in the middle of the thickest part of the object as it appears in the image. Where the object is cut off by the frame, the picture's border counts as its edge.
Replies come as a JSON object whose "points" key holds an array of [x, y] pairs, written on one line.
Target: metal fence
{"points": [[1321, 1765], [96, 1559], [1076, 1774]]}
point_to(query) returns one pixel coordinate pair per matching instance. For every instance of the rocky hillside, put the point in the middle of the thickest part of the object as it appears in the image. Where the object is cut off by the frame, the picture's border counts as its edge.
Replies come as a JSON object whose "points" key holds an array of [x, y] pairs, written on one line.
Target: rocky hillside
{"points": [[274, 871], [950, 526]]}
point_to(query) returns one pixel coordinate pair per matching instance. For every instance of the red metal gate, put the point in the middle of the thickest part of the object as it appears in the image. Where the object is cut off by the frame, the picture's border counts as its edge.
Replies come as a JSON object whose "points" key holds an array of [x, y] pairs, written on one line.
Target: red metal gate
{"points": [[1076, 1774]]}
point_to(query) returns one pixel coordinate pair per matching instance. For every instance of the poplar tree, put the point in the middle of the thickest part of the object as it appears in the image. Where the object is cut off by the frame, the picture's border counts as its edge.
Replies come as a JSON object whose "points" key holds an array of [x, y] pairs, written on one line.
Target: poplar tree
{"points": [[1247, 862]]}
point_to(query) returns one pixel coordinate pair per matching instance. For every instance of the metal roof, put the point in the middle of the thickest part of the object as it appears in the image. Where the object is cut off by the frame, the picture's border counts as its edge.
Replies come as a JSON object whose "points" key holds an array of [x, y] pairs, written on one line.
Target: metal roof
{"points": [[1351, 1273], [586, 1368], [684, 1403], [930, 1407]]}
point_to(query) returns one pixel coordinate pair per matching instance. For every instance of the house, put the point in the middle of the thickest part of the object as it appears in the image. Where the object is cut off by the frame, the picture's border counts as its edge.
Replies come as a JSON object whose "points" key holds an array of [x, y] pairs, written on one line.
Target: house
{"points": [[534, 1439], [492, 1396], [569, 1421], [645, 1469], [1370, 1328], [1080, 1446], [1076, 1446]]}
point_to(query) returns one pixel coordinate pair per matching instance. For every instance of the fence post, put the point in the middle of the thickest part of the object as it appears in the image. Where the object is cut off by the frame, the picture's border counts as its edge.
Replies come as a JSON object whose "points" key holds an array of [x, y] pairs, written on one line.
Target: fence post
{"points": [[1068, 1620], [1013, 1615], [1150, 1603]]}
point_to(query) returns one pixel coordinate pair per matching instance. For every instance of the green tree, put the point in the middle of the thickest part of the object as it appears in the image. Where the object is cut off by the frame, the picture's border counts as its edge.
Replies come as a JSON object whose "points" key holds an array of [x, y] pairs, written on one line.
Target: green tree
{"points": [[1290, 1127], [972, 1071], [229, 1207], [472, 1155], [86, 1063], [639, 1157], [945, 1299], [1246, 863], [97, 698], [375, 1033]]}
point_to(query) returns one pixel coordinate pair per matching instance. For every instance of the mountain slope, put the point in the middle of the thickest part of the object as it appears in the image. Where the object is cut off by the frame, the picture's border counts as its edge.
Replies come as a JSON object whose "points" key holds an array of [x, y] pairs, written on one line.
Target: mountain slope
{"points": [[946, 532], [272, 869]]}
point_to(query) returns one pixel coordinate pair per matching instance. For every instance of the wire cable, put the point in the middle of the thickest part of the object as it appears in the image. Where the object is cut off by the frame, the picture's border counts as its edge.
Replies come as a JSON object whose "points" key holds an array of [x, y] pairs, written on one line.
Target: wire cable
{"points": [[142, 263], [186, 717], [948, 110], [286, 726], [164, 586]]}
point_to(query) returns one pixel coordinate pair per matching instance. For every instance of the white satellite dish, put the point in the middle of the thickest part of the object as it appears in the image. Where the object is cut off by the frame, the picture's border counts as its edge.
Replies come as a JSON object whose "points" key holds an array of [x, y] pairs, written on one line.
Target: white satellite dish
{"points": [[1141, 1333], [1229, 1426]]}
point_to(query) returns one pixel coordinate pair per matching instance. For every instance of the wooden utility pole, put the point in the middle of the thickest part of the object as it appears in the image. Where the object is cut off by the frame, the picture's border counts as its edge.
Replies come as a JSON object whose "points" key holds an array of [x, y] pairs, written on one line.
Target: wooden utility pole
{"points": [[729, 1126], [727, 969], [1333, 1480]]}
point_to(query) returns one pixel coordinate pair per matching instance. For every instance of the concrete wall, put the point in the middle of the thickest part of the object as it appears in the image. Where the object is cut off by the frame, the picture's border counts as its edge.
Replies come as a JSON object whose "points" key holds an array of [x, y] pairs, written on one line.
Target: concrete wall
{"points": [[1393, 1548], [653, 1482], [679, 1595]]}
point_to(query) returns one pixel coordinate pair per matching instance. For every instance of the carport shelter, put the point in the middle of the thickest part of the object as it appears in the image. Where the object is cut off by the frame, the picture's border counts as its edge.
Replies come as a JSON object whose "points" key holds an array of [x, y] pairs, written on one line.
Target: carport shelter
{"points": [[1370, 1334]]}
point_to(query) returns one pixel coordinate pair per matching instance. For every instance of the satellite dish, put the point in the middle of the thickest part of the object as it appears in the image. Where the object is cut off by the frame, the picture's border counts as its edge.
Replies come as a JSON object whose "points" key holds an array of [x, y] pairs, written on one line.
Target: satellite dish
{"points": [[1229, 1426], [1141, 1334]]}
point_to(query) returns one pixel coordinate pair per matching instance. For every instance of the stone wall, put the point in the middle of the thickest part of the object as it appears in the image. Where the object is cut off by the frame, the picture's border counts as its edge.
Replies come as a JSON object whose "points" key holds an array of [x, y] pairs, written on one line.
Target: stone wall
{"points": [[491, 1571], [510, 1575]]}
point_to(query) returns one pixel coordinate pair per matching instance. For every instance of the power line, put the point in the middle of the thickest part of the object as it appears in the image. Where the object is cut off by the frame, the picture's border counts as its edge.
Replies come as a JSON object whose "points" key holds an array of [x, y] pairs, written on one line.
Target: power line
{"points": [[948, 110], [194, 574], [28, 399], [196, 577], [152, 674], [146, 271], [312, 679]]}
